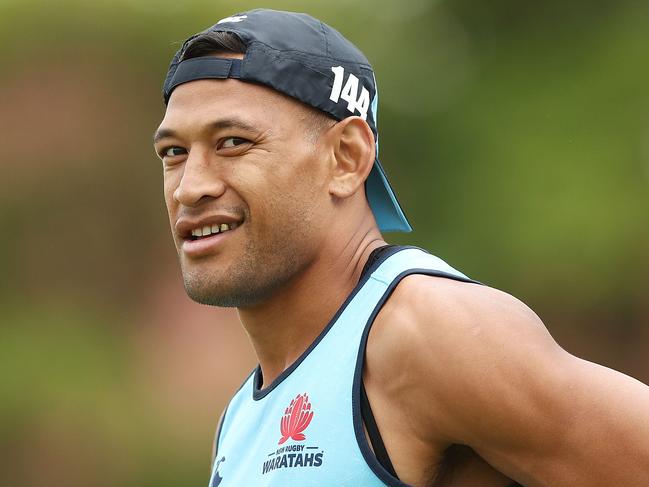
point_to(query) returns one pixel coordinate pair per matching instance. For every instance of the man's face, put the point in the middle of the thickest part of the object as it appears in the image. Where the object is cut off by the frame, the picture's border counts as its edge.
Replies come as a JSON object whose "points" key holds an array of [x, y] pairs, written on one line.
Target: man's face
{"points": [[240, 157]]}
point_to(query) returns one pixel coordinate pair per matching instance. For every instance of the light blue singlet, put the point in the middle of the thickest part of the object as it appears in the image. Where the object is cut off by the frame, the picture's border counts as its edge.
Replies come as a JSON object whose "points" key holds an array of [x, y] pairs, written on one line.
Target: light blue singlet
{"points": [[305, 428]]}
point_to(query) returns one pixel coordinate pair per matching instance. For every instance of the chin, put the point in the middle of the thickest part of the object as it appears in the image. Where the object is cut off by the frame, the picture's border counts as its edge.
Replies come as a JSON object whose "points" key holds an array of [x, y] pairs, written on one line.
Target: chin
{"points": [[211, 295], [224, 295], [211, 299], [249, 280]]}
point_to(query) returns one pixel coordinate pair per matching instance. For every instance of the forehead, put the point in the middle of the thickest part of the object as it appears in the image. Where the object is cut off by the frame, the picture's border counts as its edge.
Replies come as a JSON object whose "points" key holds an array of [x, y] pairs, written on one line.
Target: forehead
{"points": [[200, 101]]}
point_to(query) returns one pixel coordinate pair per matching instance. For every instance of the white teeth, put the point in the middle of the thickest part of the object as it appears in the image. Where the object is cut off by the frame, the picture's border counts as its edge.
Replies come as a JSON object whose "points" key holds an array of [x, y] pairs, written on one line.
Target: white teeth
{"points": [[213, 229]]}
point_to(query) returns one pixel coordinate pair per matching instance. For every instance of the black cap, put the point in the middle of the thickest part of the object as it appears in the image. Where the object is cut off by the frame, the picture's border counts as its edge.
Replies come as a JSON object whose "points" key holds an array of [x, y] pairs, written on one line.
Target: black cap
{"points": [[306, 59]]}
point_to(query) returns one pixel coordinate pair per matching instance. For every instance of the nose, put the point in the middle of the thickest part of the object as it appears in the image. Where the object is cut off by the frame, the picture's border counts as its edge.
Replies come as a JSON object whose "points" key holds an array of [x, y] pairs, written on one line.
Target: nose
{"points": [[200, 180]]}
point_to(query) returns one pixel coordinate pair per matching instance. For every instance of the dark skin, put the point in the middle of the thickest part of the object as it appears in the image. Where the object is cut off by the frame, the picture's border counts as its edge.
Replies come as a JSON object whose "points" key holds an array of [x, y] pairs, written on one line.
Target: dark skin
{"points": [[447, 363]]}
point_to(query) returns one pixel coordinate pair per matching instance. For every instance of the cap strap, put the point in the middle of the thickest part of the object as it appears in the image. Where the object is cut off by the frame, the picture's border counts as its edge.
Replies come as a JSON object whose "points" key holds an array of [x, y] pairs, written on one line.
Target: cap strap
{"points": [[203, 68]]}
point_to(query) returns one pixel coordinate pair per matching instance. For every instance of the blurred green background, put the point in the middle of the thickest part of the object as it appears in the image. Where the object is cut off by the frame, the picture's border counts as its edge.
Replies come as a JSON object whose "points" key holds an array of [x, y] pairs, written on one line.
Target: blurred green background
{"points": [[516, 134]]}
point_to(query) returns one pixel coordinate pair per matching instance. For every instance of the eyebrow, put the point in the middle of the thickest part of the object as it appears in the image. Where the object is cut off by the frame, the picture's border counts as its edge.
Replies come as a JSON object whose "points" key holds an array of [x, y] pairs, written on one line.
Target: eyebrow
{"points": [[226, 123]]}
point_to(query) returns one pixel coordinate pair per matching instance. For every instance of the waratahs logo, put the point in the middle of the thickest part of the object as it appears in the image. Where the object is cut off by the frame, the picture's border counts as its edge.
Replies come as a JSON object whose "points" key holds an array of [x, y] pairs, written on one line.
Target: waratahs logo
{"points": [[296, 419]]}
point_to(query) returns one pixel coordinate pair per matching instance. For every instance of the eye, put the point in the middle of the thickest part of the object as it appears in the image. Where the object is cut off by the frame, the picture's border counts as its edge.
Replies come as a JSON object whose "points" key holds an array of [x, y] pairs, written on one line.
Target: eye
{"points": [[173, 151], [230, 142]]}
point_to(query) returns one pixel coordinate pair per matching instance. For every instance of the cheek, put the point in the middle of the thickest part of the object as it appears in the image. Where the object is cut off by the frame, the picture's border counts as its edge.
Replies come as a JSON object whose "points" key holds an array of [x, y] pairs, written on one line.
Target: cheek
{"points": [[169, 185], [295, 197]]}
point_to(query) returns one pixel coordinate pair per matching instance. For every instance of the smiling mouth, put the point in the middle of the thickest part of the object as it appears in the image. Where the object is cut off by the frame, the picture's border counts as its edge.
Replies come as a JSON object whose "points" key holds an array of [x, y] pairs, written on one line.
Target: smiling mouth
{"points": [[209, 230]]}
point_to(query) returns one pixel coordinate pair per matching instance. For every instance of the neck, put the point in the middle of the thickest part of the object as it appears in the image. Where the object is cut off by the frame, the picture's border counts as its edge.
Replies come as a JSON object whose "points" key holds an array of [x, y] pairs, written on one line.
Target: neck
{"points": [[282, 327]]}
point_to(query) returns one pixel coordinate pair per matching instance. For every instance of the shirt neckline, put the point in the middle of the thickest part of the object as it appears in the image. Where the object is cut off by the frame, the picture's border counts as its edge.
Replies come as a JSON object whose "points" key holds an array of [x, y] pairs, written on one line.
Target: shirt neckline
{"points": [[379, 255]]}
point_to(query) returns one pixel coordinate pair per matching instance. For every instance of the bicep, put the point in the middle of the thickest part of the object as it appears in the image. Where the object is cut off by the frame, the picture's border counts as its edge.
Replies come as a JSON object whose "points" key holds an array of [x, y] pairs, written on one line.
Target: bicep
{"points": [[538, 413], [603, 433]]}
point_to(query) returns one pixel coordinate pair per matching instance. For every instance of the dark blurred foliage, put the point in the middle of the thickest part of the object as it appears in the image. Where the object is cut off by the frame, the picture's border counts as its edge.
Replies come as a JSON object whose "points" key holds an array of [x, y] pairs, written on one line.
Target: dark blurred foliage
{"points": [[515, 134]]}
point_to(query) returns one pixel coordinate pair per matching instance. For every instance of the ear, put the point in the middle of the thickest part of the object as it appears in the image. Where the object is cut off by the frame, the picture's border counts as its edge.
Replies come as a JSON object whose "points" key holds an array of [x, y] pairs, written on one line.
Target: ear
{"points": [[354, 154]]}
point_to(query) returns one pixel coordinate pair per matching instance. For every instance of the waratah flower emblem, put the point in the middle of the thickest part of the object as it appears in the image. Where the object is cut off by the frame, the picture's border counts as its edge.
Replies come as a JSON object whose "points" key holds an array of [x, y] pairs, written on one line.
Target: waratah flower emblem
{"points": [[297, 417]]}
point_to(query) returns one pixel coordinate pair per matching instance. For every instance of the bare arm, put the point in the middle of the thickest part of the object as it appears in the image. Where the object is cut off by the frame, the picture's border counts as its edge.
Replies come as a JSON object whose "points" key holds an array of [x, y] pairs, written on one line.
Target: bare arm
{"points": [[483, 371]]}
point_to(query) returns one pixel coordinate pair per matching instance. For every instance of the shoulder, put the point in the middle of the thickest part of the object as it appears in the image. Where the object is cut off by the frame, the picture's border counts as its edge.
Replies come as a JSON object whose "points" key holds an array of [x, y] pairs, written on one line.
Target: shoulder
{"points": [[472, 365], [454, 346], [449, 315]]}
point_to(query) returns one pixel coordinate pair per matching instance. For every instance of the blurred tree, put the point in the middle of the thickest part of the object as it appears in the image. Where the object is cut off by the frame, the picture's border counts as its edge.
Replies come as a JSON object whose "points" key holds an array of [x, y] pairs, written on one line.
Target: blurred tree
{"points": [[514, 132]]}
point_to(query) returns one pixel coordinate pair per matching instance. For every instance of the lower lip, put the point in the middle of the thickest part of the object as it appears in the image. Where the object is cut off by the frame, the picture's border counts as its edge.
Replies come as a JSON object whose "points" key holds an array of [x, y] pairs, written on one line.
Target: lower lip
{"points": [[204, 246]]}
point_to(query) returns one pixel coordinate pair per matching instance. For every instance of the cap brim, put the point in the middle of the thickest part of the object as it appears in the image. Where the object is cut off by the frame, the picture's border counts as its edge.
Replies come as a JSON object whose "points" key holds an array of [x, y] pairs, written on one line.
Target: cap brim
{"points": [[383, 202]]}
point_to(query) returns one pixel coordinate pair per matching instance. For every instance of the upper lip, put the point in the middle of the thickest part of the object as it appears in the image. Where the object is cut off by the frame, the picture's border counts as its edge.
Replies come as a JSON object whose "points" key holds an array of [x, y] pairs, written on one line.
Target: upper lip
{"points": [[184, 226]]}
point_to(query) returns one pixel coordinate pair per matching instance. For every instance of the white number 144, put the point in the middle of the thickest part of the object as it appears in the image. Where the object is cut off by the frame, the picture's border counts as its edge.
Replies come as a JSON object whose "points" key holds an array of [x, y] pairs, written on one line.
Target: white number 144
{"points": [[349, 92]]}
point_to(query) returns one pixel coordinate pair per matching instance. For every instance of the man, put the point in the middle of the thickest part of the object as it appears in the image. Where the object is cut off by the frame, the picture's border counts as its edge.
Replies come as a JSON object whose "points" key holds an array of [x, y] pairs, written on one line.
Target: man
{"points": [[378, 365]]}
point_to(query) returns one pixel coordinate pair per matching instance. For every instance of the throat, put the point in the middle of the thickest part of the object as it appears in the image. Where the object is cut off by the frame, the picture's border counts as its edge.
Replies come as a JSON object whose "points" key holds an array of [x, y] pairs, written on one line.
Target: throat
{"points": [[284, 328]]}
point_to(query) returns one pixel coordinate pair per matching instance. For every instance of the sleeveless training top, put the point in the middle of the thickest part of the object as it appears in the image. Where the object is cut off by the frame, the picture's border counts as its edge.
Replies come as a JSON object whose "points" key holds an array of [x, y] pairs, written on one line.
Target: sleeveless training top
{"points": [[305, 428]]}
